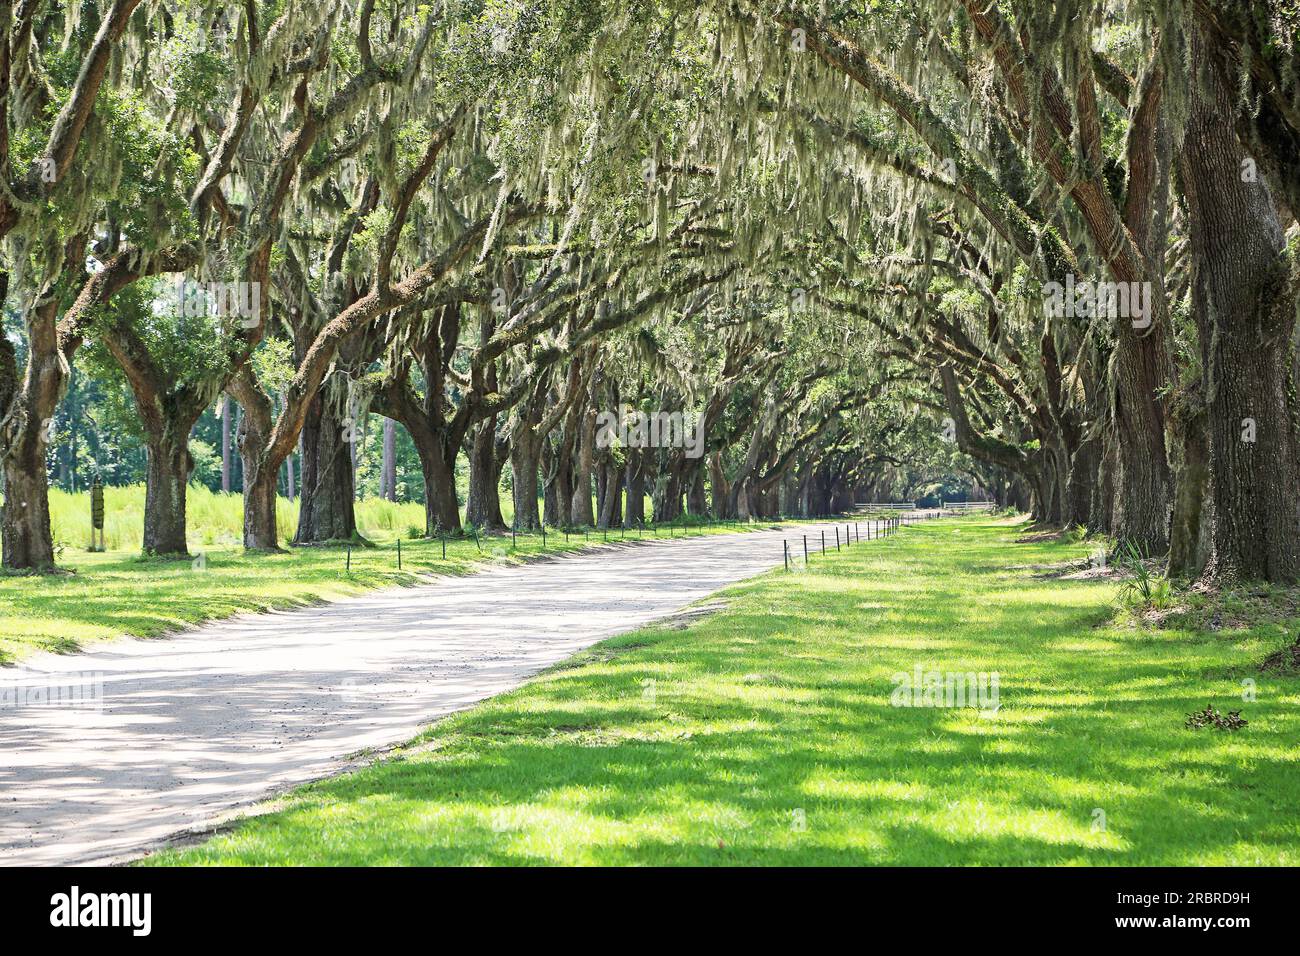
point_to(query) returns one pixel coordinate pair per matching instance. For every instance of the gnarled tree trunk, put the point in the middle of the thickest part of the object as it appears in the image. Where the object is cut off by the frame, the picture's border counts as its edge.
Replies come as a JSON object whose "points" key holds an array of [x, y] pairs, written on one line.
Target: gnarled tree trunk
{"points": [[611, 511], [388, 470], [523, 482], [721, 487], [697, 501], [1143, 484], [1187, 551], [441, 509], [1082, 475]]}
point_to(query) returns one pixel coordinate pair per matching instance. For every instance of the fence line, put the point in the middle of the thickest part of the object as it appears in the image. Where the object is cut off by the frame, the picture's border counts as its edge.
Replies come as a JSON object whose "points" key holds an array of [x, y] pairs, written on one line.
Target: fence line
{"points": [[877, 528]]}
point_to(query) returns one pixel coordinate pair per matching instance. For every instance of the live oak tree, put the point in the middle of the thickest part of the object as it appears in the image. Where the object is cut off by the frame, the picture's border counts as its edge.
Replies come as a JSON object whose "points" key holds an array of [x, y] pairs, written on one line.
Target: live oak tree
{"points": [[829, 233]]}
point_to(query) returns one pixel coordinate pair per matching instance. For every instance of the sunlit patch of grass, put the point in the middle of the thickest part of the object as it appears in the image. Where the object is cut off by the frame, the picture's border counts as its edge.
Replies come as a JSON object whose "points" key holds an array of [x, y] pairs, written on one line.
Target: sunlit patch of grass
{"points": [[769, 738]]}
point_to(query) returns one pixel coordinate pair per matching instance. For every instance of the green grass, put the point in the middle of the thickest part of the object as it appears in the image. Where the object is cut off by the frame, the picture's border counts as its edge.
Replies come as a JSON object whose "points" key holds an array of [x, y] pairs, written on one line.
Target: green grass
{"points": [[780, 706], [217, 519], [212, 518], [121, 593]]}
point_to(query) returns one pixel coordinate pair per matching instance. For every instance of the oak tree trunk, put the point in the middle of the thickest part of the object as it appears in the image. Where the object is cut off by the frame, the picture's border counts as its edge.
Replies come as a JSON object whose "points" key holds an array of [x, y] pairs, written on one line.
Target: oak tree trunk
{"points": [[483, 503], [634, 478], [721, 488], [1142, 500], [1243, 298], [697, 501], [166, 481], [1079, 489], [25, 517], [326, 512], [388, 472], [1187, 556], [523, 481], [611, 510], [441, 509], [227, 451], [582, 514]]}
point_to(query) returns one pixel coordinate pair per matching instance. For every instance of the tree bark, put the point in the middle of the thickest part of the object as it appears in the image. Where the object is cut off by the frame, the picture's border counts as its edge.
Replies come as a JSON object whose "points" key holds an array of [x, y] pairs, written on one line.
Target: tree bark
{"points": [[1142, 502], [611, 510], [582, 513], [388, 472], [253, 435], [1244, 300], [667, 495], [1192, 507], [325, 511], [166, 483], [28, 542], [483, 504], [227, 451], [441, 509], [523, 481], [1083, 473], [634, 508], [290, 484], [27, 409], [721, 487], [559, 490], [697, 500]]}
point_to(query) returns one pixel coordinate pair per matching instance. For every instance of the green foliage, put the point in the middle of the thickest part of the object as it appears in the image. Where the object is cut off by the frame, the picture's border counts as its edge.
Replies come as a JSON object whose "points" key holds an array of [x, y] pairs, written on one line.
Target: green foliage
{"points": [[150, 175], [182, 348], [273, 364], [207, 463], [1142, 588], [194, 72]]}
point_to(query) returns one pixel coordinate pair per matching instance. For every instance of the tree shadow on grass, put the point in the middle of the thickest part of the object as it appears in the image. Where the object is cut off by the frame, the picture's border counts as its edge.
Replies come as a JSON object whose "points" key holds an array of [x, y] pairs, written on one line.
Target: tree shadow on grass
{"points": [[766, 735]]}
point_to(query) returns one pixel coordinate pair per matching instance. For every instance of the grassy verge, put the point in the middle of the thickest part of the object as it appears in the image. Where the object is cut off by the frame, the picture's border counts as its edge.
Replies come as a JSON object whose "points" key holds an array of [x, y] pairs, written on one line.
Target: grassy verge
{"points": [[765, 735], [120, 593]]}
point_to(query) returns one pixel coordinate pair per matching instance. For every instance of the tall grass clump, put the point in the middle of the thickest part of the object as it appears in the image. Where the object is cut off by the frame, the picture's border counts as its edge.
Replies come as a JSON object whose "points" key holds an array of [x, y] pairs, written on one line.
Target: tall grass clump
{"points": [[376, 514]]}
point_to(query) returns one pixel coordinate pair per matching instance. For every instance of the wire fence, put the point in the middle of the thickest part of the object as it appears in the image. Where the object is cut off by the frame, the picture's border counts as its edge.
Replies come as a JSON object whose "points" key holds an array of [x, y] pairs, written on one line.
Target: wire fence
{"points": [[839, 535], [876, 528]]}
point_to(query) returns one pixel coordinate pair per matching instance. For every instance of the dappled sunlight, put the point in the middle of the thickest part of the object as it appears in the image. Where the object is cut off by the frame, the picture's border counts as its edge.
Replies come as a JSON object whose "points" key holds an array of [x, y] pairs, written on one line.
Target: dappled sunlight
{"points": [[822, 785], [769, 737]]}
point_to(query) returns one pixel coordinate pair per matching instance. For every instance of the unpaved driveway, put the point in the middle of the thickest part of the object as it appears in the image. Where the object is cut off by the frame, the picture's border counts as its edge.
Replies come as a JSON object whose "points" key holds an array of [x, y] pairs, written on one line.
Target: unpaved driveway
{"points": [[196, 725]]}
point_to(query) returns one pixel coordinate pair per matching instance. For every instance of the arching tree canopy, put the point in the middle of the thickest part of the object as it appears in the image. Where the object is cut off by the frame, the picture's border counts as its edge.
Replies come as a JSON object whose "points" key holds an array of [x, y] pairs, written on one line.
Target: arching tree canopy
{"points": [[860, 250]]}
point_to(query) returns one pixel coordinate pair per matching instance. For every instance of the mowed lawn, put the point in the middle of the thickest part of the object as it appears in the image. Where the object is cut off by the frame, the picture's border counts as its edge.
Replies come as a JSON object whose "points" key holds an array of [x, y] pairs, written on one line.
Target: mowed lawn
{"points": [[765, 735]]}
